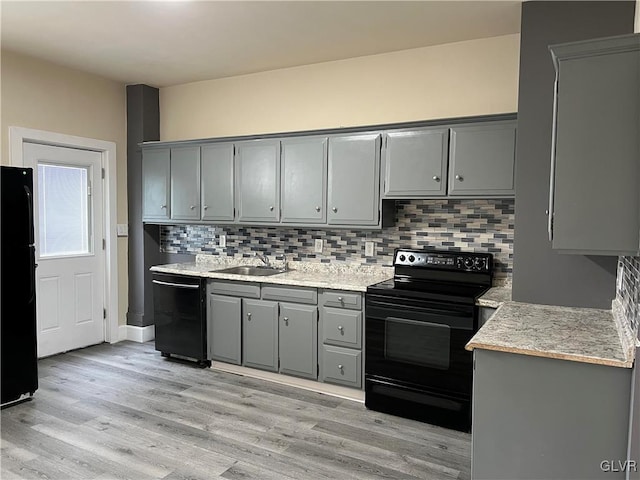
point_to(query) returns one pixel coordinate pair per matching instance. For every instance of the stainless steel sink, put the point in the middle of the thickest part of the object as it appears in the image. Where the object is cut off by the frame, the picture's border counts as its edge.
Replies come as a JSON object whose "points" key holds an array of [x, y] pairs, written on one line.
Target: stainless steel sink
{"points": [[251, 270]]}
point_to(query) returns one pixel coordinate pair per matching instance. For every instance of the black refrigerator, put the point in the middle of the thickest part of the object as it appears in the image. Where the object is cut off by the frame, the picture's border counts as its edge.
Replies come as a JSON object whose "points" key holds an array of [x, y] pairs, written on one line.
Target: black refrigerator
{"points": [[19, 368]]}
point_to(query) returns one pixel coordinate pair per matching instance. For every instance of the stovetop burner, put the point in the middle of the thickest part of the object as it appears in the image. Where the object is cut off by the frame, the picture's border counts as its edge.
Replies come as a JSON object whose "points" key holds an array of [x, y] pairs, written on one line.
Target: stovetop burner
{"points": [[438, 275]]}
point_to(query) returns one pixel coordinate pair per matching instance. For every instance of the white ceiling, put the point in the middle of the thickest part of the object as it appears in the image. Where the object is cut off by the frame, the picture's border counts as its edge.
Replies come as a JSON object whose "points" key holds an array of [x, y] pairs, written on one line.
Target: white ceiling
{"points": [[164, 43]]}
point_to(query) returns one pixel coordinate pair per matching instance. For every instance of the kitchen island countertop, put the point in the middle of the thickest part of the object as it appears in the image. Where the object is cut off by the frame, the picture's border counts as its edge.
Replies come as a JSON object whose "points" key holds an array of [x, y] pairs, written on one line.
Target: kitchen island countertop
{"points": [[578, 334]]}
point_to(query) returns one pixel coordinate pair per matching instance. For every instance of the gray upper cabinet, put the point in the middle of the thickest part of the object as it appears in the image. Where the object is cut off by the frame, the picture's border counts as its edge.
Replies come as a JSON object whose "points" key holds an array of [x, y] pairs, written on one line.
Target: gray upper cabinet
{"points": [[482, 159], [304, 180], [185, 183], [299, 340], [258, 181], [595, 169], [217, 182], [354, 180], [415, 163], [260, 334], [155, 184]]}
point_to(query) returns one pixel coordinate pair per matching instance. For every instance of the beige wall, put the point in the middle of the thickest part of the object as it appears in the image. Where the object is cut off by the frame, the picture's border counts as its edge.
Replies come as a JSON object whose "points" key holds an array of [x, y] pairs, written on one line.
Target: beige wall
{"points": [[40, 95], [458, 79]]}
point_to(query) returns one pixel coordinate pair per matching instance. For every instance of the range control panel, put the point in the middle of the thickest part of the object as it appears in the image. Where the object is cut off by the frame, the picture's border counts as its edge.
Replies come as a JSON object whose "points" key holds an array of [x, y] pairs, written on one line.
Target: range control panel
{"points": [[470, 262]]}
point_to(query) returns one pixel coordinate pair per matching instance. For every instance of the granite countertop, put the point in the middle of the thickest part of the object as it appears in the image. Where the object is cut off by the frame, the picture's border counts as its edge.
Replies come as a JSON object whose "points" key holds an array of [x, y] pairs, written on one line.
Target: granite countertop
{"points": [[495, 296], [577, 334], [351, 277]]}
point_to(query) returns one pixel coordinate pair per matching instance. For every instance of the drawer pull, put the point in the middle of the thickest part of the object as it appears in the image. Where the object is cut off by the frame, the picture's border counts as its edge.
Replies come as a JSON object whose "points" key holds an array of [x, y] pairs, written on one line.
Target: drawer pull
{"points": [[341, 328], [340, 299], [249, 316], [286, 320], [341, 368]]}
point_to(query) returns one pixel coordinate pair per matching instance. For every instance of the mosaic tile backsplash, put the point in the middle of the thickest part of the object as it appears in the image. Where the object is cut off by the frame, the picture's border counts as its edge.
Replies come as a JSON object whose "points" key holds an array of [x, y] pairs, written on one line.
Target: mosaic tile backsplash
{"points": [[628, 289], [457, 225]]}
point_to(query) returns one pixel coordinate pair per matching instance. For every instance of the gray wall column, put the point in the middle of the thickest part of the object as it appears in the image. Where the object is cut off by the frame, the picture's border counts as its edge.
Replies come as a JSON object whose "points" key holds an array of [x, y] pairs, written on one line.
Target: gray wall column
{"points": [[540, 275]]}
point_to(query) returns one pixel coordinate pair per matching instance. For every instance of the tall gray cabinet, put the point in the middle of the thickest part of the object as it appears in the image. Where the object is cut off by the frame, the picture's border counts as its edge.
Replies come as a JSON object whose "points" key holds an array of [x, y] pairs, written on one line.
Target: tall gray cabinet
{"points": [[594, 205]]}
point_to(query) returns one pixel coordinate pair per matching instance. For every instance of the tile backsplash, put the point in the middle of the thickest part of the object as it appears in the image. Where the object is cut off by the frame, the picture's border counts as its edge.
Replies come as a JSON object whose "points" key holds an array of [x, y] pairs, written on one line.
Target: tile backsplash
{"points": [[467, 225], [628, 290]]}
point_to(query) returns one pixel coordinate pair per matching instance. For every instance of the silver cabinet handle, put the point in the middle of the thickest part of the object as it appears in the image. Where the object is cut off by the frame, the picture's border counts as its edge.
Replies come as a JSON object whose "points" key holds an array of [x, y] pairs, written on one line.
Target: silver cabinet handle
{"points": [[206, 207], [192, 207], [249, 315], [340, 299], [271, 208], [340, 327], [459, 177], [340, 367], [177, 285], [436, 178], [335, 210], [163, 206], [286, 320], [317, 209]]}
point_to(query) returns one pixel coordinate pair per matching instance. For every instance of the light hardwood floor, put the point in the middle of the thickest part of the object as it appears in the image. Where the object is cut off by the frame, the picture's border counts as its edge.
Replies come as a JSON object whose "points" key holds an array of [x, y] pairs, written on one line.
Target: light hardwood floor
{"points": [[123, 412]]}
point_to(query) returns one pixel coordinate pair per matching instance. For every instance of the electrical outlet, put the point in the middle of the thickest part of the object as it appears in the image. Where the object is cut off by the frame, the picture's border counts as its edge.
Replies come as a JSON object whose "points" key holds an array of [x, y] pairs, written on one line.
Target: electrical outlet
{"points": [[368, 249], [122, 230], [223, 241], [318, 245]]}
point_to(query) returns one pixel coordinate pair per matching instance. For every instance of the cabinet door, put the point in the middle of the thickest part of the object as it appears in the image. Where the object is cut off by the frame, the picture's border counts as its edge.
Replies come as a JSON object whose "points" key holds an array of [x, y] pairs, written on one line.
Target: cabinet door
{"points": [[415, 163], [217, 182], [260, 334], [224, 318], [155, 184], [185, 183], [354, 180], [482, 159], [299, 340], [304, 180], [258, 165], [597, 169]]}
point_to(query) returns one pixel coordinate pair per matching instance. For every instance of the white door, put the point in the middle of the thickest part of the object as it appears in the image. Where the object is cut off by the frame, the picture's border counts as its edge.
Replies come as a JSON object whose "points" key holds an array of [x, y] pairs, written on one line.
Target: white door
{"points": [[69, 246]]}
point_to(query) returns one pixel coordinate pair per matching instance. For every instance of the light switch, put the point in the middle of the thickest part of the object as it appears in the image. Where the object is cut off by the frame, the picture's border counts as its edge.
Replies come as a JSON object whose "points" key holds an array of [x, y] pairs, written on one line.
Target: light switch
{"points": [[223, 241], [368, 249], [318, 245], [122, 230]]}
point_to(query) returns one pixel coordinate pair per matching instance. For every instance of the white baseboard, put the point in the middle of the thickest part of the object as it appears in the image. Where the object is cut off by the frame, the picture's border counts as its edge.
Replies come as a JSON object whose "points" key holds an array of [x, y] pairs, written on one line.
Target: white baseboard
{"points": [[319, 387], [140, 334], [122, 332]]}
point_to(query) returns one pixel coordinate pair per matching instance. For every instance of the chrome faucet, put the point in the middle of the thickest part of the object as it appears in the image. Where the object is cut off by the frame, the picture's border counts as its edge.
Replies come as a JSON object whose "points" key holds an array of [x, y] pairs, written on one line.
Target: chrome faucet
{"points": [[264, 259]]}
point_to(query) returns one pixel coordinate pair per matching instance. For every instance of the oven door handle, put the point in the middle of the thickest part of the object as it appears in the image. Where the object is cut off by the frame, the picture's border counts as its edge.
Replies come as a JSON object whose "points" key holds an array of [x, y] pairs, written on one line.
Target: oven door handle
{"points": [[453, 312], [408, 321]]}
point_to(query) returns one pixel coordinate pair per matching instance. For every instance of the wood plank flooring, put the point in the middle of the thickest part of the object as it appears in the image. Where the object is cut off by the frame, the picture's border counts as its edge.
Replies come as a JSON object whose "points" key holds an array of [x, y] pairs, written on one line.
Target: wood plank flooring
{"points": [[123, 412]]}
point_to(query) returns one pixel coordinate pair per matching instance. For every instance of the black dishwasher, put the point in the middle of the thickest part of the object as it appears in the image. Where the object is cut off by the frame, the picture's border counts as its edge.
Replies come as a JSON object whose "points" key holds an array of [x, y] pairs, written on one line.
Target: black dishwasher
{"points": [[180, 318]]}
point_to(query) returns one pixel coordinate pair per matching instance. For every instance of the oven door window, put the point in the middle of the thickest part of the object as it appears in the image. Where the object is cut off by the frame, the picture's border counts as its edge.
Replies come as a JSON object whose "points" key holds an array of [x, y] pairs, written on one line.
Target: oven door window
{"points": [[417, 343]]}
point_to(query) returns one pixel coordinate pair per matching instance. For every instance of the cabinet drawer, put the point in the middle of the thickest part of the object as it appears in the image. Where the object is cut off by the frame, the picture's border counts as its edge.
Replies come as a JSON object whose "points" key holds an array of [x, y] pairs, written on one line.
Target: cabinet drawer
{"points": [[342, 366], [290, 294], [341, 299], [235, 289], [341, 327]]}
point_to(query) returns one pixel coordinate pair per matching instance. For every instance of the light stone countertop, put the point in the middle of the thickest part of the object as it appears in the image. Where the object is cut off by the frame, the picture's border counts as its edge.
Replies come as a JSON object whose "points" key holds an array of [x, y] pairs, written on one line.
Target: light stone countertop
{"points": [[495, 297], [578, 334], [333, 276]]}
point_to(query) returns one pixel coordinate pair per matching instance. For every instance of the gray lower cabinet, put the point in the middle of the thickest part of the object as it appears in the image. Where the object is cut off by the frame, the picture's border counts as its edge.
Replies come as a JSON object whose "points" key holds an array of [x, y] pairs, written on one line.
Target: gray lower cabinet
{"points": [[304, 180], [298, 340], [414, 163], [354, 179], [258, 181], [543, 418], [340, 338], [216, 182], [594, 205], [260, 334], [224, 315], [155, 184], [482, 159], [185, 183]]}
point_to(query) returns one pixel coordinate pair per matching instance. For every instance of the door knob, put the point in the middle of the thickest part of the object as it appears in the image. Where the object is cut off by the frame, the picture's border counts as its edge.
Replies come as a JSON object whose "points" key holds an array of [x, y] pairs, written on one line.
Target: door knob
{"points": [[271, 208], [340, 327], [459, 177], [436, 178], [335, 210], [249, 315], [340, 367], [192, 207], [206, 207], [317, 209], [286, 320]]}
